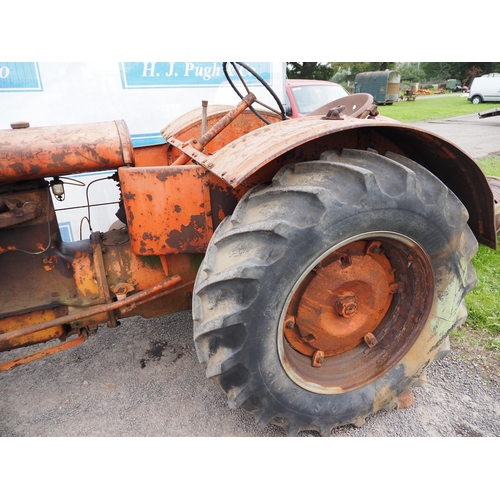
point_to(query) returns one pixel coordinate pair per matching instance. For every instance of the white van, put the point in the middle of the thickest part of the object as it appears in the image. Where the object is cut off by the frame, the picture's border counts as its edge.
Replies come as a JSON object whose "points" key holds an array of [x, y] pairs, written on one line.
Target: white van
{"points": [[485, 88]]}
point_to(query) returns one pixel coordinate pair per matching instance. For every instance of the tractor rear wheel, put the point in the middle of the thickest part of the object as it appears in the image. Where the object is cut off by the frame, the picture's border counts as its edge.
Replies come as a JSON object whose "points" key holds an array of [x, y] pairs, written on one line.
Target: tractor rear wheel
{"points": [[327, 293]]}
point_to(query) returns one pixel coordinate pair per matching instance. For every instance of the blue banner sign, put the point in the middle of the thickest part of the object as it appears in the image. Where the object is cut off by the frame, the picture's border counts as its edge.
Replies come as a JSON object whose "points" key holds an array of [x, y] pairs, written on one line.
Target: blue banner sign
{"points": [[141, 75], [20, 77]]}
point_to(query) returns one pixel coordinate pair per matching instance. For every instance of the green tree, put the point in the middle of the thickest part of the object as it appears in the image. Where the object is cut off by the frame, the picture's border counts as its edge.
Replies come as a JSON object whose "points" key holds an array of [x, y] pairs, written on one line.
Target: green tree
{"points": [[463, 71], [411, 72], [437, 70], [345, 72], [353, 68], [309, 70]]}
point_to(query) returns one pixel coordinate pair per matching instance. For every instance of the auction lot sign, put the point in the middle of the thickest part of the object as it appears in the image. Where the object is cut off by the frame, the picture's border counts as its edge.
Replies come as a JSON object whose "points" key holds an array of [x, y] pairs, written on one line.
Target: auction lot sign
{"points": [[19, 77], [141, 75]]}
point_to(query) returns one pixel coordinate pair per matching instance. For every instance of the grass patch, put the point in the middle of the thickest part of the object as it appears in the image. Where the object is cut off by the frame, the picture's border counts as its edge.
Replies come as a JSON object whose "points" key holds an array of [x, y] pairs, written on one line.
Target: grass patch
{"points": [[470, 346], [423, 109], [483, 302], [490, 165], [479, 339]]}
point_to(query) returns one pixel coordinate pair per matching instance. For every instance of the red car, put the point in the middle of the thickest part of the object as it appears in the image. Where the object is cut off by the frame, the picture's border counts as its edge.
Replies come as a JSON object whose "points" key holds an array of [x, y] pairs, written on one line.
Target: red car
{"points": [[305, 96]]}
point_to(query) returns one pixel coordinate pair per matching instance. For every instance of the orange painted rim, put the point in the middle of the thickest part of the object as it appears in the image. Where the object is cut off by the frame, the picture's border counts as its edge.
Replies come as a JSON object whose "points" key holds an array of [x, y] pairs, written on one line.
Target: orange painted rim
{"points": [[355, 312], [344, 297]]}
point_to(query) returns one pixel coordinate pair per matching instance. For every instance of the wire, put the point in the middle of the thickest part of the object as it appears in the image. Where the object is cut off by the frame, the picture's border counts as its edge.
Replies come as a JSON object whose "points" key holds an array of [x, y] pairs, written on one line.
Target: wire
{"points": [[81, 226], [88, 201], [48, 230]]}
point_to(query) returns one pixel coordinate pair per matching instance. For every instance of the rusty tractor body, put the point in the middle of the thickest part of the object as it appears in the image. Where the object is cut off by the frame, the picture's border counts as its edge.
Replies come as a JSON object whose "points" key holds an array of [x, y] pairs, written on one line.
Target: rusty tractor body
{"points": [[314, 281]]}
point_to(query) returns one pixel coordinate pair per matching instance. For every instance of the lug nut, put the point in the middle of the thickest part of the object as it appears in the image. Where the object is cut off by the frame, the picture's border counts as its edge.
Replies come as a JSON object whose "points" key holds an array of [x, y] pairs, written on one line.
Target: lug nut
{"points": [[346, 306], [370, 340], [318, 358]]}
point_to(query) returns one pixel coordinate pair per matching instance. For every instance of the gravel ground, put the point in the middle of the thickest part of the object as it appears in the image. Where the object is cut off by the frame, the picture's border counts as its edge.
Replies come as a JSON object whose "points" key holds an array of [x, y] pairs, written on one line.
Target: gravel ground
{"points": [[143, 379]]}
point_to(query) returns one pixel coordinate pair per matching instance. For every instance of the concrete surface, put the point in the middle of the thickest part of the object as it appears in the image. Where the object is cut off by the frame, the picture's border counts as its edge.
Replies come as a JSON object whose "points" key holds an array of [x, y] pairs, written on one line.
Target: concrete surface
{"points": [[479, 137]]}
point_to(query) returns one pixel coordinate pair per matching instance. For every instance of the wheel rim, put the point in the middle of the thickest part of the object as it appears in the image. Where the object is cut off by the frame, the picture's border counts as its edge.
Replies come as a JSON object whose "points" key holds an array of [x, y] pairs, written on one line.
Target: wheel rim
{"points": [[355, 312]]}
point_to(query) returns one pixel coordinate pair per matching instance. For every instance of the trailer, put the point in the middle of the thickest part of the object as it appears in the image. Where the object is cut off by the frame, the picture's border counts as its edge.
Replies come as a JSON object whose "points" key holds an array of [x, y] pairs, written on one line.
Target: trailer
{"points": [[382, 85]]}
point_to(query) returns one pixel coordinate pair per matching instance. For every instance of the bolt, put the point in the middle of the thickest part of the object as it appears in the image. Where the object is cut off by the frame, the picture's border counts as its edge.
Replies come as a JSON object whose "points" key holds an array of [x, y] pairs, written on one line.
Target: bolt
{"points": [[346, 306], [318, 358], [289, 324], [346, 260], [374, 247], [317, 268], [396, 287], [370, 340]]}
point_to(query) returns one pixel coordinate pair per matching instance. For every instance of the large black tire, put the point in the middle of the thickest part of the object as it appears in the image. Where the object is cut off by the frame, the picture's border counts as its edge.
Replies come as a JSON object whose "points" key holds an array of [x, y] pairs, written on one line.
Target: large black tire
{"points": [[352, 244]]}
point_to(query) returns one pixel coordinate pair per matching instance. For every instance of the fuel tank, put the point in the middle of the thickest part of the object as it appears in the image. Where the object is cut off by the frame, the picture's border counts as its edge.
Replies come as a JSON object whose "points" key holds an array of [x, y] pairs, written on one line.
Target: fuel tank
{"points": [[33, 153]]}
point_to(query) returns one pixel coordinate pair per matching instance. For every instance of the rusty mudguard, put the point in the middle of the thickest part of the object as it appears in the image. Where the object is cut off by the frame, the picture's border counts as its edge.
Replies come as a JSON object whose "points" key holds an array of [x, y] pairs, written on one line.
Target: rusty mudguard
{"points": [[258, 155]]}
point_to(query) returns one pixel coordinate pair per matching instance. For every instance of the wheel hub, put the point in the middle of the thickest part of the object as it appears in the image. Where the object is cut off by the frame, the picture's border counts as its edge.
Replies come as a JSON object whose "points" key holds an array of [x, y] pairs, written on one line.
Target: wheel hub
{"points": [[355, 312], [344, 297]]}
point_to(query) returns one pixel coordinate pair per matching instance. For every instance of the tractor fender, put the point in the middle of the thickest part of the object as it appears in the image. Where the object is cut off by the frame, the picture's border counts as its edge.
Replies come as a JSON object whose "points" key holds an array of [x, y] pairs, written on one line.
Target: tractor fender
{"points": [[256, 156]]}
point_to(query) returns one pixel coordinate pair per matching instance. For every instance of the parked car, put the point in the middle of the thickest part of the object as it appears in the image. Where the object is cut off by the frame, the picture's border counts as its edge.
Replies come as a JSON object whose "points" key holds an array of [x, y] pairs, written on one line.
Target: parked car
{"points": [[485, 89], [304, 96]]}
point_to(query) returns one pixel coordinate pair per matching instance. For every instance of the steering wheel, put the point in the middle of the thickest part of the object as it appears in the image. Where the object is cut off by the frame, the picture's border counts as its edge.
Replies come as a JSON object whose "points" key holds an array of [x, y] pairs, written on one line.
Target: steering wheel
{"points": [[265, 85]]}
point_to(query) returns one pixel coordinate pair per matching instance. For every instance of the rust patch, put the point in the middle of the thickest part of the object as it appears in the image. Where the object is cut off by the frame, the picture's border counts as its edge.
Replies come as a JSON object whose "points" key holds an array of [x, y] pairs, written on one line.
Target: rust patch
{"points": [[50, 262], [162, 175], [149, 236], [190, 238]]}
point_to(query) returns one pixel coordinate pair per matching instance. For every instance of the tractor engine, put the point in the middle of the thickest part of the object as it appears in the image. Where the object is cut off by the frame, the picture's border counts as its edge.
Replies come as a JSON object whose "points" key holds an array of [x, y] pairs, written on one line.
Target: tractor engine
{"points": [[53, 289]]}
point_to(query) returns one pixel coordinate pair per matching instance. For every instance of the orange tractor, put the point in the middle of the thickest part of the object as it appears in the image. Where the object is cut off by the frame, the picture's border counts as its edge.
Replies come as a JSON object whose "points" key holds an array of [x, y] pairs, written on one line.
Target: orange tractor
{"points": [[325, 258]]}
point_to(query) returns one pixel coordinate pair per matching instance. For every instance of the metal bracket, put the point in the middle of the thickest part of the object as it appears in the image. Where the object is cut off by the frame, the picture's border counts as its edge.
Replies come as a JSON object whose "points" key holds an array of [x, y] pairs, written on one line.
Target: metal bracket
{"points": [[335, 113], [188, 149], [16, 212], [100, 276]]}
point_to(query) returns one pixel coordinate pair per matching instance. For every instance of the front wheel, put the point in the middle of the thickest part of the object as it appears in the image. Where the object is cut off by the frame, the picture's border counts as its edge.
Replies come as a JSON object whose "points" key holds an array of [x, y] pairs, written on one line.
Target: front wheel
{"points": [[477, 99], [327, 294]]}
